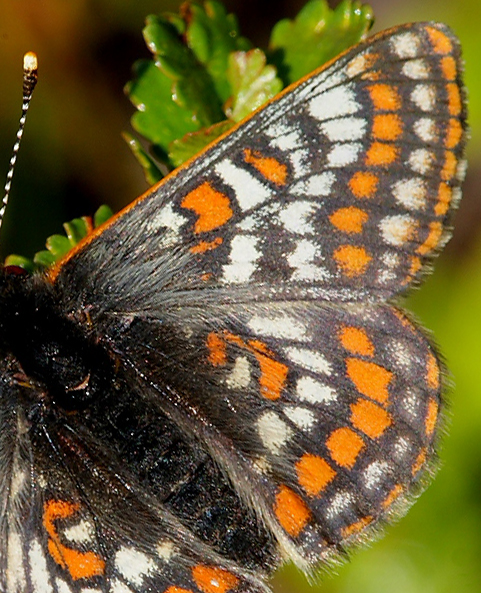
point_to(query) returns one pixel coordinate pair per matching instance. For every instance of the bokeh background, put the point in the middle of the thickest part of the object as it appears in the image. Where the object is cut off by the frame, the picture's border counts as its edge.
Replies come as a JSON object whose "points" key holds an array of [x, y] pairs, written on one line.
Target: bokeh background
{"points": [[73, 159]]}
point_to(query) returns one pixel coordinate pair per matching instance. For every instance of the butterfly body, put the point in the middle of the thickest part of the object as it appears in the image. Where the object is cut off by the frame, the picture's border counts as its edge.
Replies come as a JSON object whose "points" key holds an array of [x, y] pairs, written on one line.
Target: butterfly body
{"points": [[218, 379]]}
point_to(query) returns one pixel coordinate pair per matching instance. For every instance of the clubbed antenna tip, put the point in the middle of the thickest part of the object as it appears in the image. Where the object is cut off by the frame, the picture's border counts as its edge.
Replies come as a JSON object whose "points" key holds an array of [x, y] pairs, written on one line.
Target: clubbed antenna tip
{"points": [[30, 69]]}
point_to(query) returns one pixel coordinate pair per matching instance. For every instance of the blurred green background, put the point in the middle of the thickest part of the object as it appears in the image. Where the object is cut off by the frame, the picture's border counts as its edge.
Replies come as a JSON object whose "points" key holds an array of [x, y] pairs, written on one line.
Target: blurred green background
{"points": [[74, 159]]}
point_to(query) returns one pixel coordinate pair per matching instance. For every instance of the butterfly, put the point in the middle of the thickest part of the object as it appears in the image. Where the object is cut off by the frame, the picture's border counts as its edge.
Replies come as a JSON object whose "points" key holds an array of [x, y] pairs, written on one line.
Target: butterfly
{"points": [[220, 378]]}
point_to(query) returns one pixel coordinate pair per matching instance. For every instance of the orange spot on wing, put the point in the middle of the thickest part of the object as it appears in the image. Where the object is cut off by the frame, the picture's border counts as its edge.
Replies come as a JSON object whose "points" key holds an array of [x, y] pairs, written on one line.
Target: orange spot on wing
{"points": [[363, 184], [370, 418], [445, 194], [441, 42], [204, 246], [369, 378], [273, 373], [387, 126], [380, 154], [211, 579], [314, 473], [385, 97], [454, 99], [352, 260], [349, 220], [420, 461], [178, 590], [433, 238], [393, 495], [217, 350], [81, 565], [432, 416], [344, 446], [273, 376], [449, 167], [291, 511], [268, 167], [454, 133], [433, 374], [356, 527], [211, 206], [448, 66], [356, 341]]}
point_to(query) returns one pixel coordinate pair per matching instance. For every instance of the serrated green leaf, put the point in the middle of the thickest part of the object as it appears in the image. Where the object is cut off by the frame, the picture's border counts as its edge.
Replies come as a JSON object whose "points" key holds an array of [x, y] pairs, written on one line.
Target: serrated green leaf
{"points": [[58, 245], [158, 117], [253, 83], [192, 86], [317, 35], [212, 34], [151, 171], [20, 261], [102, 214], [188, 146]]}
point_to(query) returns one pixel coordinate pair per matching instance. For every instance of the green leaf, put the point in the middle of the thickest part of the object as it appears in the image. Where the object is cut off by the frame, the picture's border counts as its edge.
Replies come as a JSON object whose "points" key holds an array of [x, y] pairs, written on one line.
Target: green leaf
{"points": [[317, 35], [253, 83], [20, 261], [212, 34], [103, 213], [58, 245], [151, 171], [188, 146]]}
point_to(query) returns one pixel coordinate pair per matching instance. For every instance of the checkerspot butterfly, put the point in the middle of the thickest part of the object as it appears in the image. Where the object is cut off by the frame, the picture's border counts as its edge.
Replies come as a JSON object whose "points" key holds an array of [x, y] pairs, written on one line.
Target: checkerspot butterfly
{"points": [[218, 378]]}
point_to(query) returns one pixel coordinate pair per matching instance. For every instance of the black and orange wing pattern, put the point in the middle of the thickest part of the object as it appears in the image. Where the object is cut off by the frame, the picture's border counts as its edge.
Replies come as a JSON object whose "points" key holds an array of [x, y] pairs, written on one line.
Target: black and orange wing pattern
{"points": [[248, 392]]}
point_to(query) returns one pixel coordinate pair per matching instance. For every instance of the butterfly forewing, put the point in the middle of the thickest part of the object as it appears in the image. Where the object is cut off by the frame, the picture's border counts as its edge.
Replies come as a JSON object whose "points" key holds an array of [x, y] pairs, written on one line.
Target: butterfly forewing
{"points": [[258, 397]]}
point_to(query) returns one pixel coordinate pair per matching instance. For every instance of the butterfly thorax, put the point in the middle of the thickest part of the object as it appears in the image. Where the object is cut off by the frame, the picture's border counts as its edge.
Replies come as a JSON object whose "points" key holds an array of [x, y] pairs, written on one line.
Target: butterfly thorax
{"points": [[53, 353]]}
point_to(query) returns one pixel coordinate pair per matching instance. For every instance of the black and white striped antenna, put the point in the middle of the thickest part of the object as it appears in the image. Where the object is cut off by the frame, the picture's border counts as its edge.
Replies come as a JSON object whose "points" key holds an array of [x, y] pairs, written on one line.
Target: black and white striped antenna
{"points": [[30, 76]]}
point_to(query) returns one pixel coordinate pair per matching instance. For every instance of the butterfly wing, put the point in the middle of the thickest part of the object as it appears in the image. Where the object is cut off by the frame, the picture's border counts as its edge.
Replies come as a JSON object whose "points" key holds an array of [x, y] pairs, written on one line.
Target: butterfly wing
{"points": [[74, 519], [340, 189], [247, 292]]}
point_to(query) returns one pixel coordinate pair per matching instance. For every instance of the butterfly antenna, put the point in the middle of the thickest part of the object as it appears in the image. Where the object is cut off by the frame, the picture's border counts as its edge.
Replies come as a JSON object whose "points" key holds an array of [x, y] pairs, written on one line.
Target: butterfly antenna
{"points": [[30, 76]]}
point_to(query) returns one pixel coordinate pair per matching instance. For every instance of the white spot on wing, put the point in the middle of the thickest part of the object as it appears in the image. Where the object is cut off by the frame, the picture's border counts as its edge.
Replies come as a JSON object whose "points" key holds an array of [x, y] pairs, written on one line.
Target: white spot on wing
{"points": [[16, 580], [243, 257], [249, 192], [425, 128], [241, 374], [39, 573], [344, 154], [397, 230], [314, 392], [62, 586], [167, 218], [374, 473], [405, 45], [299, 162], [302, 260], [281, 326], [344, 129], [410, 193], [273, 431], [294, 217], [335, 102], [313, 361], [80, 533], [301, 417], [315, 185], [416, 69], [421, 160], [165, 550], [133, 565], [339, 503], [424, 97]]}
